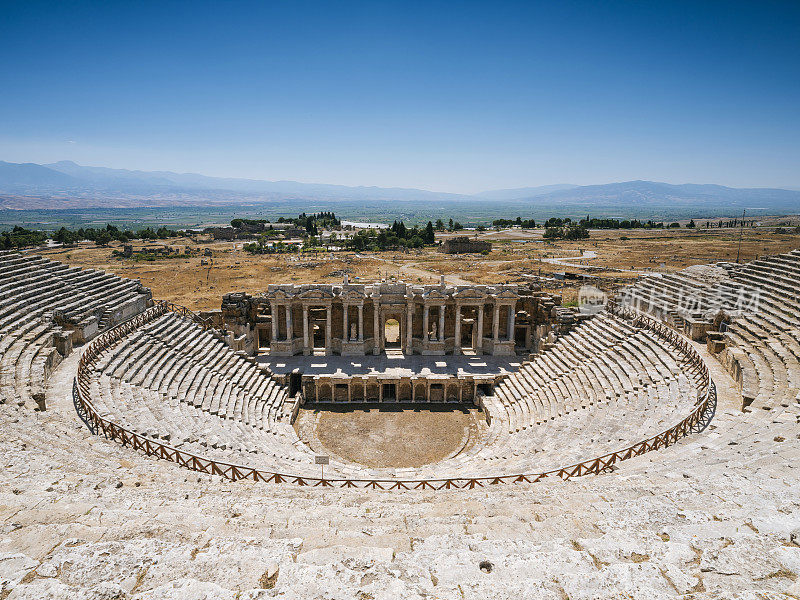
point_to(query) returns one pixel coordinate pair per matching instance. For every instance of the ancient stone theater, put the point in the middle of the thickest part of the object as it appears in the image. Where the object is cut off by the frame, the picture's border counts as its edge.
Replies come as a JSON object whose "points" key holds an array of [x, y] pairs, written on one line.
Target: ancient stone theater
{"points": [[432, 440]]}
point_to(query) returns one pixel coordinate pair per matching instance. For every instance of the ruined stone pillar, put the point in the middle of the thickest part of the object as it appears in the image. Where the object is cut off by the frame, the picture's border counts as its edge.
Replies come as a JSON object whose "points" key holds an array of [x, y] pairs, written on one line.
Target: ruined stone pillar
{"points": [[479, 343], [496, 324], [328, 329], [441, 323], [306, 346], [512, 314], [345, 330], [457, 332], [289, 332], [361, 322], [274, 309], [425, 323], [376, 328], [409, 328]]}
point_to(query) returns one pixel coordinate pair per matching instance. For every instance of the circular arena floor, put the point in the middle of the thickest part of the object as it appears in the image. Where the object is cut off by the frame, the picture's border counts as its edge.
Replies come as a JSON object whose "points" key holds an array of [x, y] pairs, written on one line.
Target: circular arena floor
{"points": [[390, 437]]}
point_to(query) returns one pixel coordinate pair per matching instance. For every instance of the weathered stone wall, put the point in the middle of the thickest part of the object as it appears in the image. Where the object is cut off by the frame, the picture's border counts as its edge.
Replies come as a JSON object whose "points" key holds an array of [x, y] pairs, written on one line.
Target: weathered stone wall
{"points": [[464, 245]]}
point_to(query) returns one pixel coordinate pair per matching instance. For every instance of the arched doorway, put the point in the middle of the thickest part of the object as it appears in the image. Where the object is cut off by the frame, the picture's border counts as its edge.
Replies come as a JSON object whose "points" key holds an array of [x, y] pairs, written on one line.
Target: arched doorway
{"points": [[391, 333], [316, 323]]}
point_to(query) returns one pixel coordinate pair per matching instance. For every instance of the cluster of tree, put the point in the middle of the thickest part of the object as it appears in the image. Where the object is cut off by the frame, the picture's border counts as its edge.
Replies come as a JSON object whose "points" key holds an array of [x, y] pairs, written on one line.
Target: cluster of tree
{"points": [[595, 223], [109, 233], [249, 225], [451, 225], [518, 222], [314, 223], [19, 237], [397, 236], [731, 223], [262, 247], [566, 231]]}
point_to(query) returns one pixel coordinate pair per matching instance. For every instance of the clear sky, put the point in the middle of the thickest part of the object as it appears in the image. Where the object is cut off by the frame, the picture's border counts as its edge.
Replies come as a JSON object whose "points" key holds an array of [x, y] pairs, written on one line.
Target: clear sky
{"points": [[457, 96]]}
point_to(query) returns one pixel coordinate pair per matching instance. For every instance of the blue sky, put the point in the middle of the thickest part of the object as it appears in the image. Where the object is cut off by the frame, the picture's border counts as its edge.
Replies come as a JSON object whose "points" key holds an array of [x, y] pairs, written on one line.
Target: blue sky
{"points": [[459, 96]]}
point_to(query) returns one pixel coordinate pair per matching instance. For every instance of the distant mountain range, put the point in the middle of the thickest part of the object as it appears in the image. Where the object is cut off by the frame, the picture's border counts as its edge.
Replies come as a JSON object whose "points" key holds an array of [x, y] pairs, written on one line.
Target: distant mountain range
{"points": [[66, 184]]}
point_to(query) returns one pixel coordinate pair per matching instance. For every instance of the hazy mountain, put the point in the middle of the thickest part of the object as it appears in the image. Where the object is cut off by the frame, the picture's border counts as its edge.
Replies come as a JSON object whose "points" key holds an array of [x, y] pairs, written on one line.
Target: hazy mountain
{"points": [[154, 181], [525, 192], [30, 176], [642, 194], [66, 184]]}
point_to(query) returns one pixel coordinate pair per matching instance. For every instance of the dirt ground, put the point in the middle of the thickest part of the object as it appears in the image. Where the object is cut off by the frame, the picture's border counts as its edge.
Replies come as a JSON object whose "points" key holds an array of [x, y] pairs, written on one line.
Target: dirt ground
{"points": [[391, 437], [516, 256]]}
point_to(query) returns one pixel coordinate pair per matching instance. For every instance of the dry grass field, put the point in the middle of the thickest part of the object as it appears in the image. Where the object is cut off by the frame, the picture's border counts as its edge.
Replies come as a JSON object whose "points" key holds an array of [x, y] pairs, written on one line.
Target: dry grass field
{"points": [[516, 255]]}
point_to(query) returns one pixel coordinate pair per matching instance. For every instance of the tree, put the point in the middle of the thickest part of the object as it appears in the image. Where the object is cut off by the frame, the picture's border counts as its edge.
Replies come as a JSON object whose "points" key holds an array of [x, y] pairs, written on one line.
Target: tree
{"points": [[691, 224], [450, 224], [102, 238], [430, 237], [439, 225]]}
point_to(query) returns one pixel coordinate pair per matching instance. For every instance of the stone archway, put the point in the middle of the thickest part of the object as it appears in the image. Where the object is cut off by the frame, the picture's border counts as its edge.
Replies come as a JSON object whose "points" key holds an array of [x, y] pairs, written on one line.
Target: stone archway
{"points": [[392, 333]]}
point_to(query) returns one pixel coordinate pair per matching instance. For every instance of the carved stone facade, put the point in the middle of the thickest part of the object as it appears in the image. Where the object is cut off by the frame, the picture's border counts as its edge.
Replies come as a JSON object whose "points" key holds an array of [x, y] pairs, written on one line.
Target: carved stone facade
{"points": [[359, 319]]}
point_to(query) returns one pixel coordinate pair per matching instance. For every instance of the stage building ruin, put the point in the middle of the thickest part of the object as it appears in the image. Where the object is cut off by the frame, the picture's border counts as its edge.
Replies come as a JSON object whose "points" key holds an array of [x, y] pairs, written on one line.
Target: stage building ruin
{"points": [[391, 318]]}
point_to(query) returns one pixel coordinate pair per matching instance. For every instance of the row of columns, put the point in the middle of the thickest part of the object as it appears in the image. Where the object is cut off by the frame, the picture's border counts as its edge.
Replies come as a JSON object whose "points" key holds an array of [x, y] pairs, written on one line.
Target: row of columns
{"points": [[409, 325], [346, 318], [426, 322]]}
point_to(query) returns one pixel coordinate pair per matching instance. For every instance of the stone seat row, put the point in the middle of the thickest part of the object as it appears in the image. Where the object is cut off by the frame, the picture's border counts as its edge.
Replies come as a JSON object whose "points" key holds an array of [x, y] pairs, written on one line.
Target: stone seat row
{"points": [[184, 426], [588, 433], [572, 393], [584, 369], [680, 291], [174, 356], [141, 380], [72, 291], [31, 289]]}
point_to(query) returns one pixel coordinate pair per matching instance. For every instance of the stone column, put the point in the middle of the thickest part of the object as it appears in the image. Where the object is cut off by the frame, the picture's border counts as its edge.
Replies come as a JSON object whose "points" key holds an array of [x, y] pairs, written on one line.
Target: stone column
{"points": [[457, 332], [409, 328], [306, 346], [328, 329], [376, 328], [361, 322], [289, 332], [425, 323], [496, 324], [274, 308], [512, 314], [479, 343], [345, 309], [441, 323]]}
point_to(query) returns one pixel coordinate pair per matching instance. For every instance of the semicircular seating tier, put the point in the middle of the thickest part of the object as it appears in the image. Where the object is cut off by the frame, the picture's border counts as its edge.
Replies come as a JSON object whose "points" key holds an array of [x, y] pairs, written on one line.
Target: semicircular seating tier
{"points": [[45, 308], [749, 314], [605, 386]]}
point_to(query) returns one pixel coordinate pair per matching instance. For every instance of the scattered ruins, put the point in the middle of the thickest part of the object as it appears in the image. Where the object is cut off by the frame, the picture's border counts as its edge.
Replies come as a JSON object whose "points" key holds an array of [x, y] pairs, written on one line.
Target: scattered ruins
{"points": [[464, 245]]}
